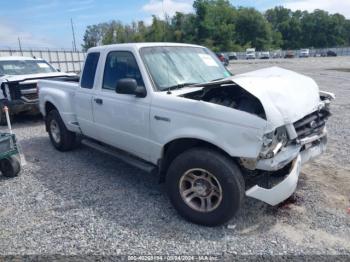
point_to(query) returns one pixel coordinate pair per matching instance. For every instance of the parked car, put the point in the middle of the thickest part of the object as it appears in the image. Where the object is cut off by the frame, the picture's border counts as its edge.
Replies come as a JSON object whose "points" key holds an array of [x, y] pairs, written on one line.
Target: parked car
{"points": [[250, 53], [276, 54], [223, 58], [331, 53], [232, 56], [304, 53], [213, 138], [264, 55], [289, 54], [18, 81]]}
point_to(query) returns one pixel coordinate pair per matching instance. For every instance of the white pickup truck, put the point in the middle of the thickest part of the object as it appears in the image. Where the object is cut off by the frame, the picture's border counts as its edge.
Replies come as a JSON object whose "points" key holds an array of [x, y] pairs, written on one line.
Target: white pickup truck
{"points": [[18, 82], [212, 137]]}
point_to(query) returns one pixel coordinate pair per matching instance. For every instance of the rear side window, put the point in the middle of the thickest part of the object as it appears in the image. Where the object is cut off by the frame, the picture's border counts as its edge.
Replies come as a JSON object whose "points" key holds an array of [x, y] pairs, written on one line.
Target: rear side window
{"points": [[88, 77]]}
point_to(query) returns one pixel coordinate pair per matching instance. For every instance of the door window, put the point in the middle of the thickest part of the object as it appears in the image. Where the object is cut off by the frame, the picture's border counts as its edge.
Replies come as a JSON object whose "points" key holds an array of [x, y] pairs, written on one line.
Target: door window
{"points": [[119, 65]]}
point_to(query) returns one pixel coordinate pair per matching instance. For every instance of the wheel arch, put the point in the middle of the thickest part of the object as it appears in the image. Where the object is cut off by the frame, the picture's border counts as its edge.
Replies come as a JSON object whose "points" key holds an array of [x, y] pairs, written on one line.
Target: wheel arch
{"points": [[49, 106], [179, 145]]}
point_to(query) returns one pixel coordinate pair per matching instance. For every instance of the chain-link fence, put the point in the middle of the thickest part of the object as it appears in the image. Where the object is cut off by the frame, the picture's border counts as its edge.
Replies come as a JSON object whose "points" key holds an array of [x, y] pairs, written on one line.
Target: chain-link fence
{"points": [[313, 52], [64, 60], [72, 61]]}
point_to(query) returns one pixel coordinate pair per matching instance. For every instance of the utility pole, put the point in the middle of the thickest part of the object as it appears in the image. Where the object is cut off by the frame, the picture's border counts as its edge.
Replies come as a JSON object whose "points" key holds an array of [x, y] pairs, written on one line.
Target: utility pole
{"points": [[20, 45], [74, 42], [165, 21]]}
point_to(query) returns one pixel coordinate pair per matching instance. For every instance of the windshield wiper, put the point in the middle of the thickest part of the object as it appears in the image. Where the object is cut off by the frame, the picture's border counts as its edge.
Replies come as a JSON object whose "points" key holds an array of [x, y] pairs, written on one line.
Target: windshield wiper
{"points": [[217, 79], [182, 85]]}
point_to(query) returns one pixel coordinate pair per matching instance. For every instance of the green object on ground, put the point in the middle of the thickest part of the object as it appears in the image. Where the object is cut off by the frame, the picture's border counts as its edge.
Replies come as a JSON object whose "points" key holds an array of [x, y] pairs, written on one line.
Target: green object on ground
{"points": [[8, 145]]}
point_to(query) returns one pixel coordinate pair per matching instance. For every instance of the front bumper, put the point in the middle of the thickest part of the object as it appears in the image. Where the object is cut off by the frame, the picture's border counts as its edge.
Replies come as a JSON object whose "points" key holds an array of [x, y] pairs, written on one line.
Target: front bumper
{"points": [[299, 154], [18, 106]]}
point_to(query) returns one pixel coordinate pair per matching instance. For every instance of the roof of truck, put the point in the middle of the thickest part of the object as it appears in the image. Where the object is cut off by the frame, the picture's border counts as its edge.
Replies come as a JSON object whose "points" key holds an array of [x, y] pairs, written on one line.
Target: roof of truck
{"points": [[16, 58], [138, 45]]}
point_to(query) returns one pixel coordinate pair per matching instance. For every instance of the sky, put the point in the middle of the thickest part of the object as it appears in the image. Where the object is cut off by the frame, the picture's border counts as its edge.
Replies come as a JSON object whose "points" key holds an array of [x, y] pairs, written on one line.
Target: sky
{"points": [[46, 23]]}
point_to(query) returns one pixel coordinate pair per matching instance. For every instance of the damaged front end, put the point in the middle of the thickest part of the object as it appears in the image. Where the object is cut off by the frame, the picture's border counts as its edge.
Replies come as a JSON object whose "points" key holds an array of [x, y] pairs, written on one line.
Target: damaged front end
{"points": [[278, 170], [295, 112], [283, 153], [230, 95]]}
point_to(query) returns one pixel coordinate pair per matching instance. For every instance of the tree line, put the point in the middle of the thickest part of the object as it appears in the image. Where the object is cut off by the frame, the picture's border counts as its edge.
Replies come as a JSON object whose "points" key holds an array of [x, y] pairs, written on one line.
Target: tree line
{"points": [[220, 26]]}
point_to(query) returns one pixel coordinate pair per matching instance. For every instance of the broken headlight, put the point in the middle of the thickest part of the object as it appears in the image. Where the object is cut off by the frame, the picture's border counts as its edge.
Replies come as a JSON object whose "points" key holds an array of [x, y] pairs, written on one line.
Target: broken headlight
{"points": [[273, 142]]}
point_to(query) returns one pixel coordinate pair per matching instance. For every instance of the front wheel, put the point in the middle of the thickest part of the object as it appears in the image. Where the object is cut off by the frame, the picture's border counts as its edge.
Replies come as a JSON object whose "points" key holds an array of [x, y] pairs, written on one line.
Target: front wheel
{"points": [[205, 186], [60, 136]]}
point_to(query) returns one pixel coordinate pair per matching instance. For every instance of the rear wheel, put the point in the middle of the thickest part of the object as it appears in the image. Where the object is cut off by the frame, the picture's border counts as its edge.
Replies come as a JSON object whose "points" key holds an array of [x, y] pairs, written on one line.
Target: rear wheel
{"points": [[10, 166], [205, 186], [60, 136]]}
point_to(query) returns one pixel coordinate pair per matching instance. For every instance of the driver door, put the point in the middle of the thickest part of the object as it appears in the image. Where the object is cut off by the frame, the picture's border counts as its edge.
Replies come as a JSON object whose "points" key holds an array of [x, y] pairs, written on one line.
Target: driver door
{"points": [[122, 120]]}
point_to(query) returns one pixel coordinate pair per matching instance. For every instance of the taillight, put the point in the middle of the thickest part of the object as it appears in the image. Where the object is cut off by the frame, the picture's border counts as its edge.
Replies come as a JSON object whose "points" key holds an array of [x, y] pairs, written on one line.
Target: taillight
{"points": [[222, 59]]}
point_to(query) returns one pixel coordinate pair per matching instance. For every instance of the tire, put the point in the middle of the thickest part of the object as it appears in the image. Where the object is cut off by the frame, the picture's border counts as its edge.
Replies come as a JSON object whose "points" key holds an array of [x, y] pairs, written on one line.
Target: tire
{"points": [[10, 167], [224, 175], [61, 138]]}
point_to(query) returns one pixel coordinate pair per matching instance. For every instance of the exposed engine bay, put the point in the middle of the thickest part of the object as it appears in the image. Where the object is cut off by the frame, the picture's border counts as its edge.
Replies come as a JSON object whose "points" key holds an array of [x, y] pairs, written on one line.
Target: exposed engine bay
{"points": [[229, 95]]}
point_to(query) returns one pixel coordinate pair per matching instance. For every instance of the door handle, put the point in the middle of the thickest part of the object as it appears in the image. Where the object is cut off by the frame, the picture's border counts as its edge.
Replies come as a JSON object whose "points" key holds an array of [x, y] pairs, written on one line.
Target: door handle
{"points": [[98, 101], [161, 118]]}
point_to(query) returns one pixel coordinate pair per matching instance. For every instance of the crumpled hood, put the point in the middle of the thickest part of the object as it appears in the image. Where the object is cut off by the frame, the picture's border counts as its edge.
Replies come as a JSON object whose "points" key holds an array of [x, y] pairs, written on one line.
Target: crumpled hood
{"points": [[14, 78], [285, 95]]}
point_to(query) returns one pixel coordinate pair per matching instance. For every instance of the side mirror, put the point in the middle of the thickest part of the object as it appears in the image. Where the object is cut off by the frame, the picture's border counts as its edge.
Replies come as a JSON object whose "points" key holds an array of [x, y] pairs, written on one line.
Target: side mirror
{"points": [[140, 92], [128, 86], [58, 70]]}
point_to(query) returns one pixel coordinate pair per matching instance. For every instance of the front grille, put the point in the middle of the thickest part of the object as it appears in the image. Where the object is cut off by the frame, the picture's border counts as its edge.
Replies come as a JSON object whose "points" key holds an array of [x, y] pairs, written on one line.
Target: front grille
{"points": [[32, 96], [29, 91], [27, 86], [311, 124], [18, 90]]}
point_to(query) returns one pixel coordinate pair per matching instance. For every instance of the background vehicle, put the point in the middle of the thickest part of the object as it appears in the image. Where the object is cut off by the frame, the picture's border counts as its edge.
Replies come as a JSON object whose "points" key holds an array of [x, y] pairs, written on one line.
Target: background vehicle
{"points": [[250, 53], [264, 55], [212, 138], [304, 53], [232, 56], [223, 58], [331, 53], [18, 81], [276, 54], [320, 54], [289, 54]]}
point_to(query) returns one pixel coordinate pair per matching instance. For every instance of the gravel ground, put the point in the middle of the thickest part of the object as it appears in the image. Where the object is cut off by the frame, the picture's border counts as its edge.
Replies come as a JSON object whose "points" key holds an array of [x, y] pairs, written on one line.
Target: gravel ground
{"points": [[84, 202]]}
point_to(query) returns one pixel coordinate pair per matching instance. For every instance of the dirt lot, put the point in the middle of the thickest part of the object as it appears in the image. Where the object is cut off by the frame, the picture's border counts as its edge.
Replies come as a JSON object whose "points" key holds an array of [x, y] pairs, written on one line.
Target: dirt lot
{"points": [[84, 202]]}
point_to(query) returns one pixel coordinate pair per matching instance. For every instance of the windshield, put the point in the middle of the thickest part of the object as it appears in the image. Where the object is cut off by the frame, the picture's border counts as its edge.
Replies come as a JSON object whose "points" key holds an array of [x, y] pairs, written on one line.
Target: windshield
{"points": [[25, 67], [177, 66]]}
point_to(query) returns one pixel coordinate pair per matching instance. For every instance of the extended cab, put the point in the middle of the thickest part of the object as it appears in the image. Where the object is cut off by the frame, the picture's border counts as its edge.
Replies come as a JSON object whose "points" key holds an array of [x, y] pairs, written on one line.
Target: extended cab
{"points": [[18, 83], [174, 109]]}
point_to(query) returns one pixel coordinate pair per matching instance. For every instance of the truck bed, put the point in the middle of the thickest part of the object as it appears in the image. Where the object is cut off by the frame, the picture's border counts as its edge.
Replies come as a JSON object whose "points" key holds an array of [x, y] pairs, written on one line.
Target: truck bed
{"points": [[74, 79], [59, 82], [62, 90]]}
